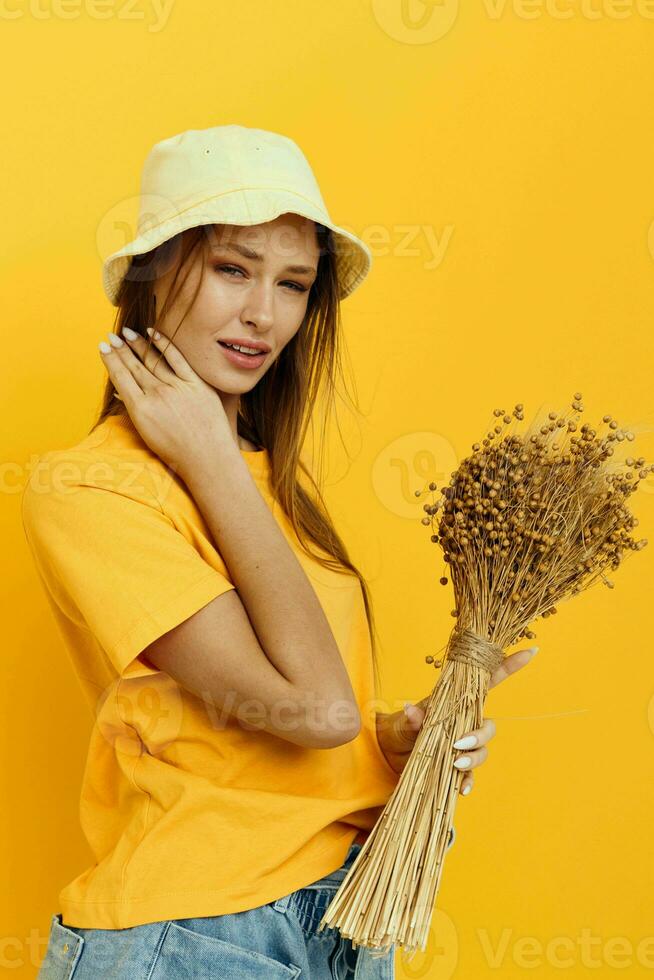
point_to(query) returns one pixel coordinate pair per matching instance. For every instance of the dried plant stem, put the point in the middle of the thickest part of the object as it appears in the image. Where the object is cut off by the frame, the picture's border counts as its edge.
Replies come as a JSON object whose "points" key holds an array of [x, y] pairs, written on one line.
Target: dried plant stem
{"points": [[389, 893]]}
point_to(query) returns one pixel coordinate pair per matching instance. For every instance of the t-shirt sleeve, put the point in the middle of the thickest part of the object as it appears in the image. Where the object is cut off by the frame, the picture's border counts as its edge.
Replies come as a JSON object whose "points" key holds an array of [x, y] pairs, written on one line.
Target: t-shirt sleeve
{"points": [[117, 566]]}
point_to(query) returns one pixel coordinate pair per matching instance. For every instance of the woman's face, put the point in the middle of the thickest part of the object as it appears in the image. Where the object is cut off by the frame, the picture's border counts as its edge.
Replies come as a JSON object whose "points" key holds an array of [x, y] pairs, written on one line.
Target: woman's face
{"points": [[249, 293]]}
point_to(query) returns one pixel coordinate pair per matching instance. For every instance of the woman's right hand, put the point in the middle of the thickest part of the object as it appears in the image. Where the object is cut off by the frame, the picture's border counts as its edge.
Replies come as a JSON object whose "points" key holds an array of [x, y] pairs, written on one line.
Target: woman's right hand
{"points": [[178, 415]]}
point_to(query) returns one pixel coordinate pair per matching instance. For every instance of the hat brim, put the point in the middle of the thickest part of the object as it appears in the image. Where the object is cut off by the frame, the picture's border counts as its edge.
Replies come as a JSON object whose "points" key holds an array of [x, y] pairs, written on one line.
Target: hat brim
{"points": [[251, 206]]}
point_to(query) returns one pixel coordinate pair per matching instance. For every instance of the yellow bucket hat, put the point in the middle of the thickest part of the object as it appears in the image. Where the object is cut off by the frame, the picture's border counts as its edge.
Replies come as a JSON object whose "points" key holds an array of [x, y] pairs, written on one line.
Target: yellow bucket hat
{"points": [[229, 175]]}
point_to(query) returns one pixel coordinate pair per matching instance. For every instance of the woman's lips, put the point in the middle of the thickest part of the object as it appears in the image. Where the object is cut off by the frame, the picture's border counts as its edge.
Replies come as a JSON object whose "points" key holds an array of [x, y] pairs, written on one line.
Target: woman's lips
{"points": [[243, 360]]}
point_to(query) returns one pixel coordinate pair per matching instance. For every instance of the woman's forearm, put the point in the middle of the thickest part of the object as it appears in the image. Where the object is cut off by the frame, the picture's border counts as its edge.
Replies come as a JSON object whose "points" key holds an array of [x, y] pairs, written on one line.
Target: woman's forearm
{"points": [[281, 603]]}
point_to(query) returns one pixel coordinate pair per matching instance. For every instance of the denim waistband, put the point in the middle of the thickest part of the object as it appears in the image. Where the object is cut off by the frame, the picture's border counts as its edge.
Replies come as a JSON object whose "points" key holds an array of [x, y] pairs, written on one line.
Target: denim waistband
{"points": [[310, 903]]}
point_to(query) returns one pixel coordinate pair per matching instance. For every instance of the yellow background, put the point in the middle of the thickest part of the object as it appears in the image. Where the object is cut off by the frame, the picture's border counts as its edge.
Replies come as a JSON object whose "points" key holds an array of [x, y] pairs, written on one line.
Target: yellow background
{"points": [[498, 158]]}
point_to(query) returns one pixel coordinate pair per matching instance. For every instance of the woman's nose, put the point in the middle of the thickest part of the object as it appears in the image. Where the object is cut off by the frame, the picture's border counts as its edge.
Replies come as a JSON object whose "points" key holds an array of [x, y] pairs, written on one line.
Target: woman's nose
{"points": [[258, 306]]}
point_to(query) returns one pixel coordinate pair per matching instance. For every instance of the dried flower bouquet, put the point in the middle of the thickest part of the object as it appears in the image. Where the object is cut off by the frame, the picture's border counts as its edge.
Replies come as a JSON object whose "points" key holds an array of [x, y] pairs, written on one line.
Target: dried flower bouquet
{"points": [[526, 522]]}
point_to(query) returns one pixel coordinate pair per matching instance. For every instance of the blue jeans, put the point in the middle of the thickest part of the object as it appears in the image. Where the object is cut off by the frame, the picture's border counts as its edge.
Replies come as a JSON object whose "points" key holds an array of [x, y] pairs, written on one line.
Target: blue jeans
{"points": [[277, 941]]}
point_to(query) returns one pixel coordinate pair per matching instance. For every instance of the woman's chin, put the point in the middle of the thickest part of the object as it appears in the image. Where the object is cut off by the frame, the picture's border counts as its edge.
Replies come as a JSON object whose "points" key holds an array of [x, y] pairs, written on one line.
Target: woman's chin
{"points": [[228, 385]]}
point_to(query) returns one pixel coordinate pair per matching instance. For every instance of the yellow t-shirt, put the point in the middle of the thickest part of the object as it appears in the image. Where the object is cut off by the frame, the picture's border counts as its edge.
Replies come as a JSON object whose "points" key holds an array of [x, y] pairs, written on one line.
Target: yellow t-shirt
{"points": [[187, 812]]}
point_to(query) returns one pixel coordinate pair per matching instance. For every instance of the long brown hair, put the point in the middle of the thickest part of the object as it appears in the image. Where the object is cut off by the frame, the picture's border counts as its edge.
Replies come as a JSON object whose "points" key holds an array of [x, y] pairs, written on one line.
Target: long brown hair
{"points": [[276, 413]]}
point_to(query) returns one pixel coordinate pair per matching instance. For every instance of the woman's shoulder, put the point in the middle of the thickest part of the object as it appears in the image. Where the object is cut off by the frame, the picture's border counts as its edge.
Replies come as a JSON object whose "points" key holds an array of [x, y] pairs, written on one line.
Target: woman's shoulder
{"points": [[109, 458]]}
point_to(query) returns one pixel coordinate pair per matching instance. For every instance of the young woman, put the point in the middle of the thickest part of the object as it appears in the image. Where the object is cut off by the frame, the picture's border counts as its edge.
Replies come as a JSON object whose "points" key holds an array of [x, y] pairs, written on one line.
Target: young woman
{"points": [[220, 631]]}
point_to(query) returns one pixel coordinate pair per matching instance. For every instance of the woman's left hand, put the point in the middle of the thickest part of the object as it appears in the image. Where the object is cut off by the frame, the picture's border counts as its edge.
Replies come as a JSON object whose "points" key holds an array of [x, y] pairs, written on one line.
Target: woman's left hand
{"points": [[397, 732]]}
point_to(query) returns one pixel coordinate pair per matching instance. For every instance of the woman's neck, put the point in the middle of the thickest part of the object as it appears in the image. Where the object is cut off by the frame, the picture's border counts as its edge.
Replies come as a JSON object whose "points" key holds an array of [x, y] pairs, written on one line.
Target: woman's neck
{"points": [[124, 419]]}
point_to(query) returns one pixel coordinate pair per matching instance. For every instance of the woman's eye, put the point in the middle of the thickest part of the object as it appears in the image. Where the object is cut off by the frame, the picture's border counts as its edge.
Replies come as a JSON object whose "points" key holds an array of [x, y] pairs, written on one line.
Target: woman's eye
{"points": [[298, 287], [227, 268]]}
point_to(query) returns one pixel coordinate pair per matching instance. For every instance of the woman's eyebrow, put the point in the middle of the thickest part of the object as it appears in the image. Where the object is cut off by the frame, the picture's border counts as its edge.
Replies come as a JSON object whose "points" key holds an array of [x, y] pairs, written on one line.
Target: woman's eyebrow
{"points": [[249, 253]]}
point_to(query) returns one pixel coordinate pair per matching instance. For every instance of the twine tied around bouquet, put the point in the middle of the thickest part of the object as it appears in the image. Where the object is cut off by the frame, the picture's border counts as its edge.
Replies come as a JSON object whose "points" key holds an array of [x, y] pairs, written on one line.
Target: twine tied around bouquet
{"points": [[469, 648]]}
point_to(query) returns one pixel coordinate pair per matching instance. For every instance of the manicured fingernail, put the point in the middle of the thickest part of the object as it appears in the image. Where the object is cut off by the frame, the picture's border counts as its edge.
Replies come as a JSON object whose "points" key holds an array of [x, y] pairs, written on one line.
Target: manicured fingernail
{"points": [[534, 650], [466, 790], [115, 340], [463, 762], [104, 347], [130, 334], [466, 743], [155, 333]]}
